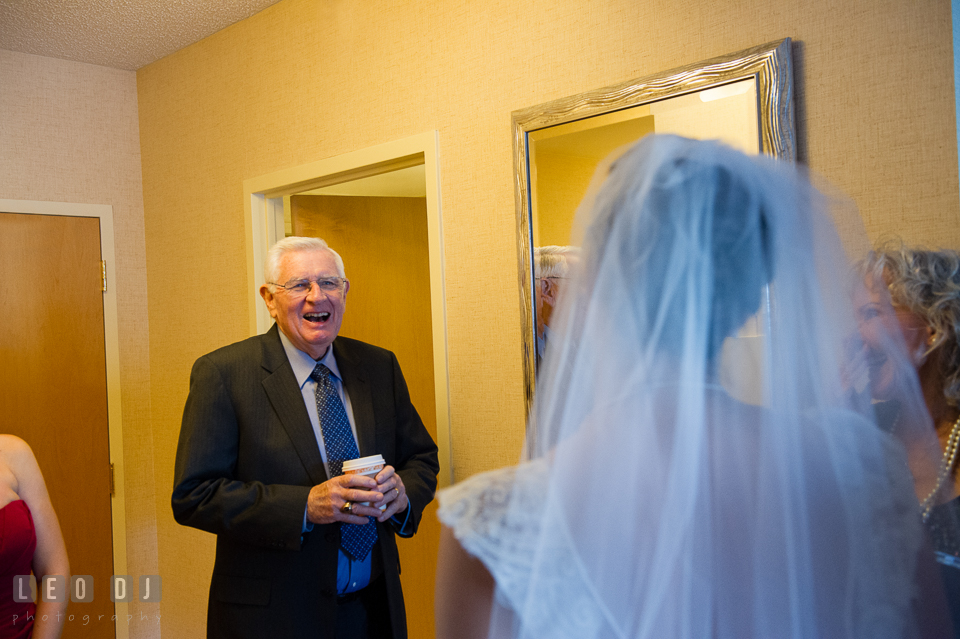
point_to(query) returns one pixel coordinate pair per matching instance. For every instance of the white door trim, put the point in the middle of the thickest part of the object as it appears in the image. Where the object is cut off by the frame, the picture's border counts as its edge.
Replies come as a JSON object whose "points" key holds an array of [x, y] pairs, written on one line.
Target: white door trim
{"points": [[263, 201], [111, 340]]}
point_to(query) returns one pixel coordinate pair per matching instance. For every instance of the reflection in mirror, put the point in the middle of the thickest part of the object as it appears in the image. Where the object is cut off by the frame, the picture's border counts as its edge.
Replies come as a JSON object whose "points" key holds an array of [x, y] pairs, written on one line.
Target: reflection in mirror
{"points": [[743, 99], [564, 157], [553, 267]]}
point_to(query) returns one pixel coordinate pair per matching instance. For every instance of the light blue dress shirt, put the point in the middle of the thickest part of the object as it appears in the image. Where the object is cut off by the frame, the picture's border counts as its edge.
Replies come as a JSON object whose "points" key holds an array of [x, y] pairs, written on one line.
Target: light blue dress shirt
{"points": [[352, 575]]}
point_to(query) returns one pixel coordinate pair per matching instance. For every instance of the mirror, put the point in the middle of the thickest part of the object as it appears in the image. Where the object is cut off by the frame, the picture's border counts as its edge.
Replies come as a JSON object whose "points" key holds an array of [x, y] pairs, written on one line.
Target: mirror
{"points": [[744, 99]]}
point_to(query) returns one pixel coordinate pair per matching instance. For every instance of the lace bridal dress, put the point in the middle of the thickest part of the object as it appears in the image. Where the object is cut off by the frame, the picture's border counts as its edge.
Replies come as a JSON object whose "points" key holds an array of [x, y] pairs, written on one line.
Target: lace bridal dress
{"points": [[699, 469]]}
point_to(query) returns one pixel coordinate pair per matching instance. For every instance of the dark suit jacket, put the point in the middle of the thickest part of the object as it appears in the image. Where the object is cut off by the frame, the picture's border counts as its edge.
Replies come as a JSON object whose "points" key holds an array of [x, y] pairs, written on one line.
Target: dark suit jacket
{"points": [[246, 461]]}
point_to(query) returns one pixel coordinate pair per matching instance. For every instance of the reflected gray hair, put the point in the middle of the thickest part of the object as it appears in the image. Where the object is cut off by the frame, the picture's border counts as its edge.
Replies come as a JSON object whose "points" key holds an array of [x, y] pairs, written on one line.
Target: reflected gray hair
{"points": [[296, 244], [927, 283], [553, 261]]}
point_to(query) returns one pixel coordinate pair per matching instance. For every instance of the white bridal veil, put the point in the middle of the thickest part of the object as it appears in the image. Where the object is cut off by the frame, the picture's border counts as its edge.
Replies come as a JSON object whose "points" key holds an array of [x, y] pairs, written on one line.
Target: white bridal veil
{"points": [[707, 461]]}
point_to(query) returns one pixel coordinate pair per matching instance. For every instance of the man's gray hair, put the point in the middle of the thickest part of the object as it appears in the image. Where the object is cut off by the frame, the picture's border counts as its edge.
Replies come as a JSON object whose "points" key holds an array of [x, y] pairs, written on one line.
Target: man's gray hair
{"points": [[296, 244], [926, 283], [554, 261]]}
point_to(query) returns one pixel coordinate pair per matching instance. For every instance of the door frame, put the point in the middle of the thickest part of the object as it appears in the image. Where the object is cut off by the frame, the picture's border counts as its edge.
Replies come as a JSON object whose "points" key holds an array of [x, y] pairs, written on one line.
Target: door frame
{"points": [[263, 199], [111, 341]]}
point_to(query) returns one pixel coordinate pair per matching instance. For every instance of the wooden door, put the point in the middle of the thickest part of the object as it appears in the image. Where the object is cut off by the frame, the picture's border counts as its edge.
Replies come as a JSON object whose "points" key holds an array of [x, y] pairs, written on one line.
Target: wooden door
{"points": [[53, 389], [383, 243]]}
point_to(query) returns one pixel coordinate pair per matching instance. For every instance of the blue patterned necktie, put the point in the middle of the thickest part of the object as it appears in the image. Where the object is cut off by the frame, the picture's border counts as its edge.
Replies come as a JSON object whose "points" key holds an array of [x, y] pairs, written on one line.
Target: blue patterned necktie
{"points": [[338, 440]]}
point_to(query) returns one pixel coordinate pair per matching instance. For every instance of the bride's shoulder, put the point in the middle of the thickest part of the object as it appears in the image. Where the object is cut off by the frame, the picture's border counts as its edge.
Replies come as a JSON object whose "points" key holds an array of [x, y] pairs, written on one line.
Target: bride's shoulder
{"points": [[489, 492], [497, 517]]}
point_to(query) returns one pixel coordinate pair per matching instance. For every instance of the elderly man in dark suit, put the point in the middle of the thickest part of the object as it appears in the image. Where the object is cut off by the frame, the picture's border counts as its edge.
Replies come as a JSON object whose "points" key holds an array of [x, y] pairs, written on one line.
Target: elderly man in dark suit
{"points": [[266, 428]]}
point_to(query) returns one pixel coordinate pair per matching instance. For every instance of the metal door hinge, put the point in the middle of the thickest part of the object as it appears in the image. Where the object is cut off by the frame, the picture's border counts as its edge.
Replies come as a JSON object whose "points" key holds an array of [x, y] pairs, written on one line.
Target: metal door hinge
{"points": [[112, 486], [103, 274]]}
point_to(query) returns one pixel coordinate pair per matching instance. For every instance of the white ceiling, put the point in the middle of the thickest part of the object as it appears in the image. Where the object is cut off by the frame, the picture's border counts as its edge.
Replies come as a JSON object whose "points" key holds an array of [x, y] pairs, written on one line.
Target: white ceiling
{"points": [[123, 34]]}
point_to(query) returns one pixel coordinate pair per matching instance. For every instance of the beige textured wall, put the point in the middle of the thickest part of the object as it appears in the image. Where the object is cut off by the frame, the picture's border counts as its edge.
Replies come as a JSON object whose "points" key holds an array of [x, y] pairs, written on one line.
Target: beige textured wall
{"points": [[69, 133], [306, 80]]}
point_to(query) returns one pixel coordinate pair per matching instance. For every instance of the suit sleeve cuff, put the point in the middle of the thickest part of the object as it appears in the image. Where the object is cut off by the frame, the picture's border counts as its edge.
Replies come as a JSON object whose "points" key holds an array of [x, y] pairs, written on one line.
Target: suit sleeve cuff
{"points": [[307, 526], [401, 526]]}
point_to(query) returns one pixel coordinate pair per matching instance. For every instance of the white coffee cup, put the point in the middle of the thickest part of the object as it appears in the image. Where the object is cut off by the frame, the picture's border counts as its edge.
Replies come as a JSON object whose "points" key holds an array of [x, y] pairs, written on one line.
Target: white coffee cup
{"points": [[368, 466]]}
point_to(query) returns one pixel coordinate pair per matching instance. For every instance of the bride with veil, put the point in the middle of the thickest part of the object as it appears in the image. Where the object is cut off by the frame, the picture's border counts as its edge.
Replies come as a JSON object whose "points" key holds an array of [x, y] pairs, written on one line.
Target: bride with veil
{"points": [[662, 497]]}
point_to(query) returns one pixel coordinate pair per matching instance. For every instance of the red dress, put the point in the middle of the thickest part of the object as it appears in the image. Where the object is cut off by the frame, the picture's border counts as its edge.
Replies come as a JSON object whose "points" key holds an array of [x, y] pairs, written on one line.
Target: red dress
{"points": [[18, 540]]}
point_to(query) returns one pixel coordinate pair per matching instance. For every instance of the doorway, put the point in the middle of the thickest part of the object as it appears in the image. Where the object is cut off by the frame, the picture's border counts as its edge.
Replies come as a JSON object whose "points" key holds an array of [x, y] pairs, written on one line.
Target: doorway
{"points": [[390, 239], [60, 391]]}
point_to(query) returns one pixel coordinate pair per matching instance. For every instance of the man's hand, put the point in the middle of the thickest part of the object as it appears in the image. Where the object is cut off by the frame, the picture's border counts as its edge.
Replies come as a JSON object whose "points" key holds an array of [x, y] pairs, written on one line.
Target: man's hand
{"points": [[391, 487], [326, 501]]}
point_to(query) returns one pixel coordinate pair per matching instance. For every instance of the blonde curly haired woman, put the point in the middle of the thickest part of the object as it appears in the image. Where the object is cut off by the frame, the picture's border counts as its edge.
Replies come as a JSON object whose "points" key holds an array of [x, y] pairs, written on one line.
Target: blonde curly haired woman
{"points": [[924, 289]]}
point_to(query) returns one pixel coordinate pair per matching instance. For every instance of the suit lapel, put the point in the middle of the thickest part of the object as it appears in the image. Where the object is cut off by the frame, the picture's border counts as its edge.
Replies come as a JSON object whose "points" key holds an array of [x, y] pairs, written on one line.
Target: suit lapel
{"points": [[280, 385], [361, 400]]}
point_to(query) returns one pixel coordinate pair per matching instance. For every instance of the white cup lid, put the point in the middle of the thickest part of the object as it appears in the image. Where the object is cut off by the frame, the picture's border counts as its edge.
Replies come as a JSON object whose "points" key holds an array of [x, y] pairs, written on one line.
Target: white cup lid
{"points": [[363, 462]]}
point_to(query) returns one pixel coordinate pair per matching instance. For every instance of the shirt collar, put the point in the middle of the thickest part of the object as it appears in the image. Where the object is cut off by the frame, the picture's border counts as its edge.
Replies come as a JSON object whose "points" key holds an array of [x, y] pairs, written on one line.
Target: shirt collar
{"points": [[303, 364]]}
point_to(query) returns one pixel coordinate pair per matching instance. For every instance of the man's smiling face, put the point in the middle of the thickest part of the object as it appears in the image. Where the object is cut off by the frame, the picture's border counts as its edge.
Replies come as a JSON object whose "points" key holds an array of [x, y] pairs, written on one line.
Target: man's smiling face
{"points": [[311, 321]]}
